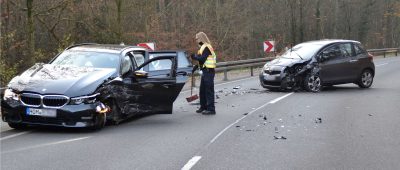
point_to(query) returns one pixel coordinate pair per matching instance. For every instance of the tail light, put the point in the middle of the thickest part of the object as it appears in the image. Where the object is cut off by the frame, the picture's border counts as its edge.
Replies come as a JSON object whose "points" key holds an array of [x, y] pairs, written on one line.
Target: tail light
{"points": [[370, 56]]}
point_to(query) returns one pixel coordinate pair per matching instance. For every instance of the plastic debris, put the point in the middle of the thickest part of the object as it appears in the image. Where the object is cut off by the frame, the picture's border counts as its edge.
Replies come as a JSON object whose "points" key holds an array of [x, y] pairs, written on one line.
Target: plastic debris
{"points": [[265, 117], [237, 126], [300, 115], [318, 120], [280, 137], [249, 130], [369, 114], [245, 114], [216, 96], [237, 87], [276, 130]]}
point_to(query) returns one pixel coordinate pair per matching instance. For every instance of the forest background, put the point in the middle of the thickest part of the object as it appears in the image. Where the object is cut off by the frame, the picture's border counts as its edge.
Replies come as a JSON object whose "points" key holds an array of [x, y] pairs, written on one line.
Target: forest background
{"points": [[37, 30]]}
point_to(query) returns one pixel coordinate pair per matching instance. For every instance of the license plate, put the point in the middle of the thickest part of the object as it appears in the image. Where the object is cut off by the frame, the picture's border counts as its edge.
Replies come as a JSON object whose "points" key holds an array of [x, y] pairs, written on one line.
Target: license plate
{"points": [[41, 112]]}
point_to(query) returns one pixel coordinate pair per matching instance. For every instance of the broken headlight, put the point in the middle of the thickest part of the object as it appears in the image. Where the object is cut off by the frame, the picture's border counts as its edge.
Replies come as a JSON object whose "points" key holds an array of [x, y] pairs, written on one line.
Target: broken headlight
{"points": [[10, 94], [84, 99]]}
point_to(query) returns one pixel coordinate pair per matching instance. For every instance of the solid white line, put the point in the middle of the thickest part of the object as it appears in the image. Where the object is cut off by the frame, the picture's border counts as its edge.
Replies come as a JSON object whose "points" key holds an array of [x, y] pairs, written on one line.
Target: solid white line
{"points": [[191, 163], [381, 64], [47, 144], [14, 135], [271, 102], [280, 98], [224, 83]]}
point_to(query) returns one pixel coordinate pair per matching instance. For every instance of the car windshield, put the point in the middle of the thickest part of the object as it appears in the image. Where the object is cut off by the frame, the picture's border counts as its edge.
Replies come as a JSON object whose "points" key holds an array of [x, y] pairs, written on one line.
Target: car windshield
{"points": [[302, 51], [88, 59]]}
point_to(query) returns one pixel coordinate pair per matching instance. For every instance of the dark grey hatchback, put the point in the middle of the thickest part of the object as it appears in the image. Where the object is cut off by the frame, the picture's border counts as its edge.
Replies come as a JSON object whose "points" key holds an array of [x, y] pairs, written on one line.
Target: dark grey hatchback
{"points": [[314, 64]]}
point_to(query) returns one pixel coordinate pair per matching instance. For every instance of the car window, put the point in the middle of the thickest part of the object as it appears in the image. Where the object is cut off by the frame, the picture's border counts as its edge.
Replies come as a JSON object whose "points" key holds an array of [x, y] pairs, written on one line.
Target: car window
{"points": [[87, 59], [183, 61], [139, 58], [331, 53], [126, 64], [163, 64], [359, 49], [346, 49]]}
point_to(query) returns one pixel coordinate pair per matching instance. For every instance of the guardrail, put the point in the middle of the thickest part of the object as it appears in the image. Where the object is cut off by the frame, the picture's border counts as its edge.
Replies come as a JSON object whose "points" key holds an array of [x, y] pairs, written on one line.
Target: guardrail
{"points": [[385, 51]]}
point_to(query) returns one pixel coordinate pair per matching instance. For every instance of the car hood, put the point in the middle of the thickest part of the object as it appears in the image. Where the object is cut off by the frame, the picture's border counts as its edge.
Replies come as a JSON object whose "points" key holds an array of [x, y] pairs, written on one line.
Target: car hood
{"points": [[284, 62], [60, 79]]}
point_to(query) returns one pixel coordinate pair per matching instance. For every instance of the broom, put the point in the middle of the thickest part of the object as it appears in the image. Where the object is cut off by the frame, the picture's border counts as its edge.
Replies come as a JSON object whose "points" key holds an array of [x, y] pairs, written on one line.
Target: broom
{"points": [[192, 97]]}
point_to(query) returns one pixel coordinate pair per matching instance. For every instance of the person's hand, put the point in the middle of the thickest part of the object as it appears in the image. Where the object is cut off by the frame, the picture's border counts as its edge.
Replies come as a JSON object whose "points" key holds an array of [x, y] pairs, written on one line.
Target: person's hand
{"points": [[192, 56]]}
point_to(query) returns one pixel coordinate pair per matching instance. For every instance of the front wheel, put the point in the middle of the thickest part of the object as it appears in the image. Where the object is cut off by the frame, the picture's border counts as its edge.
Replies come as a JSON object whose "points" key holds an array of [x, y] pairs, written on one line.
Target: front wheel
{"points": [[366, 79], [312, 83]]}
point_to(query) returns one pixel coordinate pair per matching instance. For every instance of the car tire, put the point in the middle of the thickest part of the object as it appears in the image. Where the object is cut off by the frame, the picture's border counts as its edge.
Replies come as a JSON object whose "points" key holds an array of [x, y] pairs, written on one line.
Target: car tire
{"points": [[99, 121], [115, 113], [18, 126], [312, 83], [366, 79]]}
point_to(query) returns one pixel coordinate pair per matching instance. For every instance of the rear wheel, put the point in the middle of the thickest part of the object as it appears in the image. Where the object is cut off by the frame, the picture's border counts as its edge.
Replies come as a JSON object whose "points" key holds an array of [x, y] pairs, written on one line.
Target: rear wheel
{"points": [[18, 126], [312, 83], [366, 79]]}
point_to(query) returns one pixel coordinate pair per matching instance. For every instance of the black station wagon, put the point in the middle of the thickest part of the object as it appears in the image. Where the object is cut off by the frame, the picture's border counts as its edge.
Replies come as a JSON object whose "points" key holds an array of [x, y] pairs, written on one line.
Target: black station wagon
{"points": [[88, 85]]}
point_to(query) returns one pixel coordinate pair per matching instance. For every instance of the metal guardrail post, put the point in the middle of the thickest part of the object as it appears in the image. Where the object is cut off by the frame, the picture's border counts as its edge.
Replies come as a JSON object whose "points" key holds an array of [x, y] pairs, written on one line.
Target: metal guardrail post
{"points": [[225, 74], [384, 54], [251, 71]]}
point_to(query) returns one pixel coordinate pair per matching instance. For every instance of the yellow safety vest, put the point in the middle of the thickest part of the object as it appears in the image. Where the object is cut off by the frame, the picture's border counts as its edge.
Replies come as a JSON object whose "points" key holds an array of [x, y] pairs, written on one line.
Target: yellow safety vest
{"points": [[211, 61]]}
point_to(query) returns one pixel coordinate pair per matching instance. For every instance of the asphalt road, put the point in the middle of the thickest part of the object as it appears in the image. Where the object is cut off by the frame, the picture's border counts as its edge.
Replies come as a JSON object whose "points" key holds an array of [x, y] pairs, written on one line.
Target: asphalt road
{"points": [[342, 127]]}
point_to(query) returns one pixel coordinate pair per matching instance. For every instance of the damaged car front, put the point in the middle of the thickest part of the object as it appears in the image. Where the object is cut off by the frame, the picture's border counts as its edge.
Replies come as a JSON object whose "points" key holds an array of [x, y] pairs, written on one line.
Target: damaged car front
{"points": [[286, 72], [314, 64], [90, 84], [61, 93]]}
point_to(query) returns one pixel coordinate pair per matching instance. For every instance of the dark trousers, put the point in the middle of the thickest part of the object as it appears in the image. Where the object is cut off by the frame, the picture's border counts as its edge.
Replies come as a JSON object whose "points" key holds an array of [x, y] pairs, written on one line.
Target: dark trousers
{"points": [[207, 90]]}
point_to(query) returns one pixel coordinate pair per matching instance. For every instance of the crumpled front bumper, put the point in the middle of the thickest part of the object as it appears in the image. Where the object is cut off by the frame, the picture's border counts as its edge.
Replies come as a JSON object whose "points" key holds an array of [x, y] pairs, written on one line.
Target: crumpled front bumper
{"points": [[67, 116]]}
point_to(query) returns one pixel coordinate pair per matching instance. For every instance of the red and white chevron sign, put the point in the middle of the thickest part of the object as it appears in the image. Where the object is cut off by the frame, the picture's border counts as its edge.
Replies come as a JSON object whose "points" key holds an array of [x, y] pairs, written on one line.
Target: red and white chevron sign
{"points": [[269, 46], [151, 46]]}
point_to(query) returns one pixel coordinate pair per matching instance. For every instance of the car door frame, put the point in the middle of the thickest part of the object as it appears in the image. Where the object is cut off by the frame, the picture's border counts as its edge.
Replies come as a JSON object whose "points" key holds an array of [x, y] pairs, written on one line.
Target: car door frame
{"points": [[331, 72]]}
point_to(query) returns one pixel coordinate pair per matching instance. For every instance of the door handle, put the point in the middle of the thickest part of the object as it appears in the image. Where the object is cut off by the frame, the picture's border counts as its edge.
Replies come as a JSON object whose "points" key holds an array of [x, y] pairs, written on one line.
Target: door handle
{"points": [[167, 85], [352, 61], [183, 73]]}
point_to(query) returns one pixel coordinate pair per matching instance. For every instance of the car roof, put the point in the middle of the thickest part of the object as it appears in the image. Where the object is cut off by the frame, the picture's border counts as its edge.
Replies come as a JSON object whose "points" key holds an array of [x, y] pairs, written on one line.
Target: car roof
{"points": [[328, 41], [110, 48]]}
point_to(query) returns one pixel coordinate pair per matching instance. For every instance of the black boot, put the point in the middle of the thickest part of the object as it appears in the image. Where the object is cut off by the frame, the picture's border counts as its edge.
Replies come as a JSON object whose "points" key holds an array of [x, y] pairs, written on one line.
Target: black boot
{"points": [[207, 112], [200, 110]]}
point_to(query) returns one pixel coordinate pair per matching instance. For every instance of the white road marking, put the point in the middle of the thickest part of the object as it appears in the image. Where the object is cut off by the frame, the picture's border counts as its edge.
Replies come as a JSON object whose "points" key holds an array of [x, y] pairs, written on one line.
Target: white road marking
{"points": [[195, 159], [224, 83], [251, 112], [47, 144], [381, 64], [280, 98], [14, 135], [191, 163]]}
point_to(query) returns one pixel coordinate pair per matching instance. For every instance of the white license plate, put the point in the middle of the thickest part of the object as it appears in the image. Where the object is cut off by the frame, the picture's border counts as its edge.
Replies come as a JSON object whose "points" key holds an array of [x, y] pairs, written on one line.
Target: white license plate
{"points": [[41, 112]]}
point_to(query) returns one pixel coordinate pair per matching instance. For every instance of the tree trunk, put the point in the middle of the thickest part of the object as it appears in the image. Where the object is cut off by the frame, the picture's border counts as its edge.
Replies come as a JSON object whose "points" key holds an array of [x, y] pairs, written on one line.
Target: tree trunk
{"points": [[31, 31]]}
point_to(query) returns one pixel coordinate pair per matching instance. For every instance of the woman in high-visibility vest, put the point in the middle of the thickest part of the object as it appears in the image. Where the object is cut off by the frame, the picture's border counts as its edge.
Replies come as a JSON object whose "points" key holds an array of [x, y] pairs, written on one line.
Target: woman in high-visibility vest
{"points": [[207, 62]]}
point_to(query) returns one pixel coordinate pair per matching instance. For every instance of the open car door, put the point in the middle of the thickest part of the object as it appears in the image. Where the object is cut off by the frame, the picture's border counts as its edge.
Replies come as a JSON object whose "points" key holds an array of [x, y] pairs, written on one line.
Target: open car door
{"points": [[155, 84], [184, 67]]}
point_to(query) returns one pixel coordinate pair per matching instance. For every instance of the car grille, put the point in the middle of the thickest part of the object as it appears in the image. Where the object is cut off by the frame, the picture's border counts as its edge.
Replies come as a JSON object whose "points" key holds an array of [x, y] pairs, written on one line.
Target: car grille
{"points": [[271, 83], [49, 101], [272, 72]]}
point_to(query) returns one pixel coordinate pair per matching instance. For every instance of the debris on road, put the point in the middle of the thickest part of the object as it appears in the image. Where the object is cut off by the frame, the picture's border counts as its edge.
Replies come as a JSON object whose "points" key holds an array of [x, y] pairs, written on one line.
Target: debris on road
{"points": [[250, 130], [216, 96], [299, 115], [237, 87], [276, 130], [318, 120], [369, 114], [280, 137], [237, 126], [265, 117], [245, 114]]}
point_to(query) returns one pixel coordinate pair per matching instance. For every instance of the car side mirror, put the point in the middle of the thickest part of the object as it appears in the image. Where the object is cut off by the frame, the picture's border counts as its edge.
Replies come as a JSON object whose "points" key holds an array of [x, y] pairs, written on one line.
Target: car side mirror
{"points": [[141, 74]]}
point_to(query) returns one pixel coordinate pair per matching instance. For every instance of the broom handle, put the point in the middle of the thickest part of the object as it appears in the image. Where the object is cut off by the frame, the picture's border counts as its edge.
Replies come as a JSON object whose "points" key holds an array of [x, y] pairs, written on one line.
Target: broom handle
{"points": [[191, 87]]}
